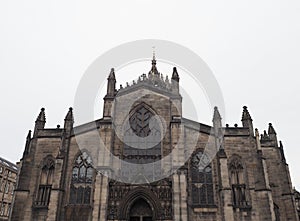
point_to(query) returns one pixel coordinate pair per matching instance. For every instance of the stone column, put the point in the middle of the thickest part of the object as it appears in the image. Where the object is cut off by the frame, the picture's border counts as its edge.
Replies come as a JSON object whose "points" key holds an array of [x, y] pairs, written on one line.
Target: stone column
{"points": [[104, 196], [97, 197], [225, 192], [176, 197], [183, 195]]}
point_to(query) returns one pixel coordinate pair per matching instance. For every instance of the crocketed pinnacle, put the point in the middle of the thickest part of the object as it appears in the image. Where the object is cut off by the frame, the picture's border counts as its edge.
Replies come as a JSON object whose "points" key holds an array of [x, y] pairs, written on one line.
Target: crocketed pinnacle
{"points": [[246, 114]]}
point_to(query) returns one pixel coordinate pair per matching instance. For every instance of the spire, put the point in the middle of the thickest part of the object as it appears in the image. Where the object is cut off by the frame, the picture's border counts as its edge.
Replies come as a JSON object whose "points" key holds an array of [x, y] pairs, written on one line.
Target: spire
{"points": [[271, 129], [153, 70], [40, 121], [247, 120]]}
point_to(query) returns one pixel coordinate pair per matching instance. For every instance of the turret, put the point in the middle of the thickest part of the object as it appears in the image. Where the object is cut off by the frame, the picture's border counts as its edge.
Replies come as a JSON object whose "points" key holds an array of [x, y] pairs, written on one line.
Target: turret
{"points": [[247, 120], [40, 122]]}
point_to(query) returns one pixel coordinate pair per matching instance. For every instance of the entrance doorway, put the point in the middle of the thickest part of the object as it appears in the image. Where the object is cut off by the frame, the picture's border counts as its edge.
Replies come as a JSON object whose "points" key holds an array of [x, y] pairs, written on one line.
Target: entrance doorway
{"points": [[140, 211]]}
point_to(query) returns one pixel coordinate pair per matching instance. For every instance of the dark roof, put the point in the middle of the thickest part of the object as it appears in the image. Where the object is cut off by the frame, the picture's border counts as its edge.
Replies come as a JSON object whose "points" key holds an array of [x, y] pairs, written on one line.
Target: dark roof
{"points": [[8, 164]]}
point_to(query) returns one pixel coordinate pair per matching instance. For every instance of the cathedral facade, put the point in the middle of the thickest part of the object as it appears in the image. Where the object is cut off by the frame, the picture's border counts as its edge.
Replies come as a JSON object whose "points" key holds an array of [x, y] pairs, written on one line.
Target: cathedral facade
{"points": [[143, 161]]}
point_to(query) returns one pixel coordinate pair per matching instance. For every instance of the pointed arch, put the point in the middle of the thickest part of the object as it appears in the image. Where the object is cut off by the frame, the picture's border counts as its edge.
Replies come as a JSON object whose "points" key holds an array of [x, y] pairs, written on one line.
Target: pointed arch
{"points": [[201, 180], [139, 119], [82, 179], [237, 180], [136, 194], [45, 182]]}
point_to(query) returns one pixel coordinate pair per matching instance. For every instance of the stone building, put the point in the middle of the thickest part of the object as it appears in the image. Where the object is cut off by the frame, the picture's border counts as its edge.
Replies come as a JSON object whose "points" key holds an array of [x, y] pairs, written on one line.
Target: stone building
{"points": [[8, 177], [143, 161]]}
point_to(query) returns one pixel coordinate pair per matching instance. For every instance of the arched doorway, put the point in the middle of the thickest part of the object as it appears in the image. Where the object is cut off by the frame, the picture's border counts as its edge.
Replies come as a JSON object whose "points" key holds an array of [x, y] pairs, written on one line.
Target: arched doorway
{"points": [[140, 211]]}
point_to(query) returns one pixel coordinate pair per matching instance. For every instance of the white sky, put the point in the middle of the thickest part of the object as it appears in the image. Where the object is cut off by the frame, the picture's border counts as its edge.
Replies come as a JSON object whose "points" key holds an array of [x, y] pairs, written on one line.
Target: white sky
{"points": [[252, 47]]}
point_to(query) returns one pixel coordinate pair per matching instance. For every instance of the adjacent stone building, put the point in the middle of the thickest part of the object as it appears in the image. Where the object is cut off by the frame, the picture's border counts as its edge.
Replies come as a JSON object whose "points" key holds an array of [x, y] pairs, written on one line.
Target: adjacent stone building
{"points": [[8, 177], [143, 161]]}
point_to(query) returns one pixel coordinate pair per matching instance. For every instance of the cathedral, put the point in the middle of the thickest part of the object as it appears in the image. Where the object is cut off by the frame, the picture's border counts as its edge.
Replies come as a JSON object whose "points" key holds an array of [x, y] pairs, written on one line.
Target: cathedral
{"points": [[144, 161]]}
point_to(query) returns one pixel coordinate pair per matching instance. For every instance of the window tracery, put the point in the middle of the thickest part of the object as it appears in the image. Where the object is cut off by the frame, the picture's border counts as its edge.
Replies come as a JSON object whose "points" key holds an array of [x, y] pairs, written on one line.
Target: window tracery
{"points": [[202, 182], [238, 184], [82, 179], [45, 184]]}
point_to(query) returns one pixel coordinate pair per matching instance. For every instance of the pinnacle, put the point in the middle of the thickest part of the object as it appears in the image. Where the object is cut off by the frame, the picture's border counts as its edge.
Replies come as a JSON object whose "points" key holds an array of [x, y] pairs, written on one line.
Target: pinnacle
{"points": [[246, 115], [69, 115], [217, 115], [41, 116], [112, 74], [271, 129], [175, 75]]}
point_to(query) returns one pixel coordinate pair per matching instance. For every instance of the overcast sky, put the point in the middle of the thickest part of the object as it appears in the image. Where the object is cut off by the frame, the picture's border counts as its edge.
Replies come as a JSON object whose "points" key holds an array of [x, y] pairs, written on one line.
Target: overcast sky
{"points": [[252, 47]]}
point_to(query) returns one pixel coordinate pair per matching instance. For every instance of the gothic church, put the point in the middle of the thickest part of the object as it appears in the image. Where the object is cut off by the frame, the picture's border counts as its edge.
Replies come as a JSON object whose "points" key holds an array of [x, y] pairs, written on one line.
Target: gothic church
{"points": [[68, 174]]}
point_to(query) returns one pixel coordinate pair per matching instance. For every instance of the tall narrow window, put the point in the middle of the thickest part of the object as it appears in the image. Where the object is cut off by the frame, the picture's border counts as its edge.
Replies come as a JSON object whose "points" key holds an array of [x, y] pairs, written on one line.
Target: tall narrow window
{"points": [[82, 179], [238, 183], [45, 186], [202, 183]]}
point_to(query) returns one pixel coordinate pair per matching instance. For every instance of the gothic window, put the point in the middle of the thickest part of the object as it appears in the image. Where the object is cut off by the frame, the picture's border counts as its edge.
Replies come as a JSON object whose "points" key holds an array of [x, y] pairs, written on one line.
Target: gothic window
{"points": [[139, 122], [45, 185], [238, 183], [202, 183], [82, 179], [142, 143]]}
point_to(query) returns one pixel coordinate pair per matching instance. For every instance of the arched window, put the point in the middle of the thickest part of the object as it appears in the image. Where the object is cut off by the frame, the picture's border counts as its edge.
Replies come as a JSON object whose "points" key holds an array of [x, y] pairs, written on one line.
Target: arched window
{"points": [[201, 180], [82, 179], [45, 185], [238, 185], [139, 121]]}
